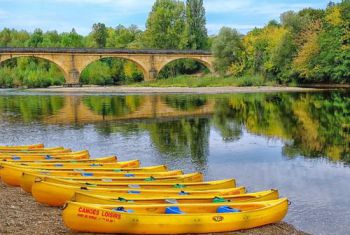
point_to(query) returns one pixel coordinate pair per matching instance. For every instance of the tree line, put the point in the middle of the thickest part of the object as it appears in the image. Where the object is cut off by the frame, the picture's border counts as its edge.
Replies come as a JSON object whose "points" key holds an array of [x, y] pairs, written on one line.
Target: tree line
{"points": [[309, 46]]}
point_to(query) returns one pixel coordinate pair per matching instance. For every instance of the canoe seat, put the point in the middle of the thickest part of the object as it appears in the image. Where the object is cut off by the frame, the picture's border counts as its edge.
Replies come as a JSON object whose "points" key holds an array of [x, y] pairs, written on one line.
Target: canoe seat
{"points": [[122, 209], [219, 200], [48, 157], [151, 178], [183, 193], [227, 209], [179, 186], [173, 210], [171, 201], [124, 200]]}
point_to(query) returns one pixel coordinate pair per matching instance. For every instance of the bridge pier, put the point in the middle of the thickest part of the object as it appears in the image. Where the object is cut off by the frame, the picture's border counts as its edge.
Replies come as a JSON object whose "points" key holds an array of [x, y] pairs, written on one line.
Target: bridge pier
{"points": [[73, 78], [152, 75]]}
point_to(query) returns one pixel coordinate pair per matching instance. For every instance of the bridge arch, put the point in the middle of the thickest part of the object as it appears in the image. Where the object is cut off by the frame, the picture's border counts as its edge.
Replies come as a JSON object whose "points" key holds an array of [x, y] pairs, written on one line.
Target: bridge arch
{"points": [[59, 65], [92, 60], [204, 61]]}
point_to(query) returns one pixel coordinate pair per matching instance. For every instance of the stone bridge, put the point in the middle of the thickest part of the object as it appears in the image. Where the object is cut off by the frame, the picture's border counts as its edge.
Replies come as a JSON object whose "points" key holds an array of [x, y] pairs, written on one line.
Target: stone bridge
{"points": [[73, 61]]}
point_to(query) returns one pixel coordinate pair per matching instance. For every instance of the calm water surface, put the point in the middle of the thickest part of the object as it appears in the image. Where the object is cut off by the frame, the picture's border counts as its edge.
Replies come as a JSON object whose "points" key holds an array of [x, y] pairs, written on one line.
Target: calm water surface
{"points": [[298, 143]]}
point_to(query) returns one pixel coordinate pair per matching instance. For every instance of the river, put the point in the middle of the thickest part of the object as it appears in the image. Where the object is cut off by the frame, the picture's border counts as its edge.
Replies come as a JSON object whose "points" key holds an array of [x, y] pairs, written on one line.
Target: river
{"points": [[298, 143]]}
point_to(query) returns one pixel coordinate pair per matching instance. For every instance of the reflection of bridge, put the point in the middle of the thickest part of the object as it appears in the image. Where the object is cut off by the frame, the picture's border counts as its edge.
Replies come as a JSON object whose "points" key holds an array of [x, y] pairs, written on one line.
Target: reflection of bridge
{"points": [[73, 61], [151, 107]]}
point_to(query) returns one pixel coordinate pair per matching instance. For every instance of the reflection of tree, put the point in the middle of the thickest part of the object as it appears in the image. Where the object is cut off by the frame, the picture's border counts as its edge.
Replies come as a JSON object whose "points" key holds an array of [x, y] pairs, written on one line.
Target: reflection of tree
{"points": [[225, 120], [31, 108], [112, 105], [311, 124], [185, 102], [182, 137], [125, 129]]}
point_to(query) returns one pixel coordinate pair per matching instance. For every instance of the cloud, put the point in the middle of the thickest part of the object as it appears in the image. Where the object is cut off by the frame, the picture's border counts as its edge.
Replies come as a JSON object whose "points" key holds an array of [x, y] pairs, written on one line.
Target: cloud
{"points": [[243, 28], [255, 7]]}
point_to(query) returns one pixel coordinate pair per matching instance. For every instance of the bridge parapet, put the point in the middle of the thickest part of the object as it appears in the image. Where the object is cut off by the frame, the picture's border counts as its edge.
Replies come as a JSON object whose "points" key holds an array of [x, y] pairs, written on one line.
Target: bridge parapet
{"points": [[72, 61]]}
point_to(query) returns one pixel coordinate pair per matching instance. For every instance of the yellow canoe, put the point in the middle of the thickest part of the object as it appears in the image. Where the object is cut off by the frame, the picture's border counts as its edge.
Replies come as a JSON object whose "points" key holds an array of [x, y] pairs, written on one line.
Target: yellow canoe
{"points": [[57, 194], [70, 166], [209, 185], [28, 179], [36, 151], [247, 197], [45, 156], [109, 159], [23, 147], [165, 219], [12, 175]]}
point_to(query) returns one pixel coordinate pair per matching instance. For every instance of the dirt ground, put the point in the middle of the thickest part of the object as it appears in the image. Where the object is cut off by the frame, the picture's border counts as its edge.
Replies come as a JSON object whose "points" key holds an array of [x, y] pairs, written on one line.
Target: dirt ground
{"points": [[21, 215], [169, 90]]}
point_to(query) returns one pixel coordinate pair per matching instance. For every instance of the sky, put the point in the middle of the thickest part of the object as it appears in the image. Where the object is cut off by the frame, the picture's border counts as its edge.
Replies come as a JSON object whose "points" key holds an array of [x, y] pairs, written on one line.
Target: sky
{"points": [[63, 15]]}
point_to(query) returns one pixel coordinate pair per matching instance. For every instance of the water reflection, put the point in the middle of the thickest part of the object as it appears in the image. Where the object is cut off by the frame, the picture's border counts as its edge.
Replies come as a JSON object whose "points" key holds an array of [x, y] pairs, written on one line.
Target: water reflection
{"points": [[310, 124]]}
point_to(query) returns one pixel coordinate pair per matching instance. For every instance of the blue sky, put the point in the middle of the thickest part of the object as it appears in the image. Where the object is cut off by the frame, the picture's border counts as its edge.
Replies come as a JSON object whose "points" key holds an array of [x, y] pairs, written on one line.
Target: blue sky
{"points": [[63, 15]]}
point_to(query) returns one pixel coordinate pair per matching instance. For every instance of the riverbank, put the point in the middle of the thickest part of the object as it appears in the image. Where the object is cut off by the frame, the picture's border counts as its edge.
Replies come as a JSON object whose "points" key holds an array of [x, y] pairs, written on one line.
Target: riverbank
{"points": [[21, 215], [175, 90]]}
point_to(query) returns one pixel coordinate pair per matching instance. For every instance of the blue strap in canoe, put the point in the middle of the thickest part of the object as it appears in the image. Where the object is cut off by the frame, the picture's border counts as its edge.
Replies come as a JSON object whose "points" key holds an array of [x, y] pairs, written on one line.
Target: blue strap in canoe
{"points": [[16, 158], [129, 175], [87, 174], [134, 192], [95, 165], [173, 210], [227, 209], [58, 165]]}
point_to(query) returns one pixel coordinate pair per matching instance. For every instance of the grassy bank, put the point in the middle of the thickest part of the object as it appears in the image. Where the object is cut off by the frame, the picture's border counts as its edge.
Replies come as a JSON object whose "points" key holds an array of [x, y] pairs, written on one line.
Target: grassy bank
{"points": [[205, 81]]}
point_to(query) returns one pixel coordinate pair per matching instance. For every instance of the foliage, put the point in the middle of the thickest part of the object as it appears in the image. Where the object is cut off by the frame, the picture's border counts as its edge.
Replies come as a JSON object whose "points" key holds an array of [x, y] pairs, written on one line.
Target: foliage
{"points": [[99, 34], [196, 36], [165, 24], [309, 46], [228, 49], [206, 81]]}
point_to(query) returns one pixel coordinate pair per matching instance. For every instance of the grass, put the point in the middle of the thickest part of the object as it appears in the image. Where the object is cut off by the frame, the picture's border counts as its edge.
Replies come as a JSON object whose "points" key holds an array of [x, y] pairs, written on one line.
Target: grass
{"points": [[205, 81]]}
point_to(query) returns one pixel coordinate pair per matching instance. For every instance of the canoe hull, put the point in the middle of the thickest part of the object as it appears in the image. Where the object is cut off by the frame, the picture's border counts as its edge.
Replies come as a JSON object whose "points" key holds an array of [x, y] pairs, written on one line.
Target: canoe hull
{"points": [[84, 218], [105, 200], [28, 179]]}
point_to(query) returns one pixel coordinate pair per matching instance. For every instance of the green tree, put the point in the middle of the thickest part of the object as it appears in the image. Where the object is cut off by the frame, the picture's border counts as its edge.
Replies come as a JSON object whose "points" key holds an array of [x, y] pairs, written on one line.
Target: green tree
{"points": [[165, 25], [36, 38], [72, 39], [196, 36], [99, 34], [227, 49]]}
